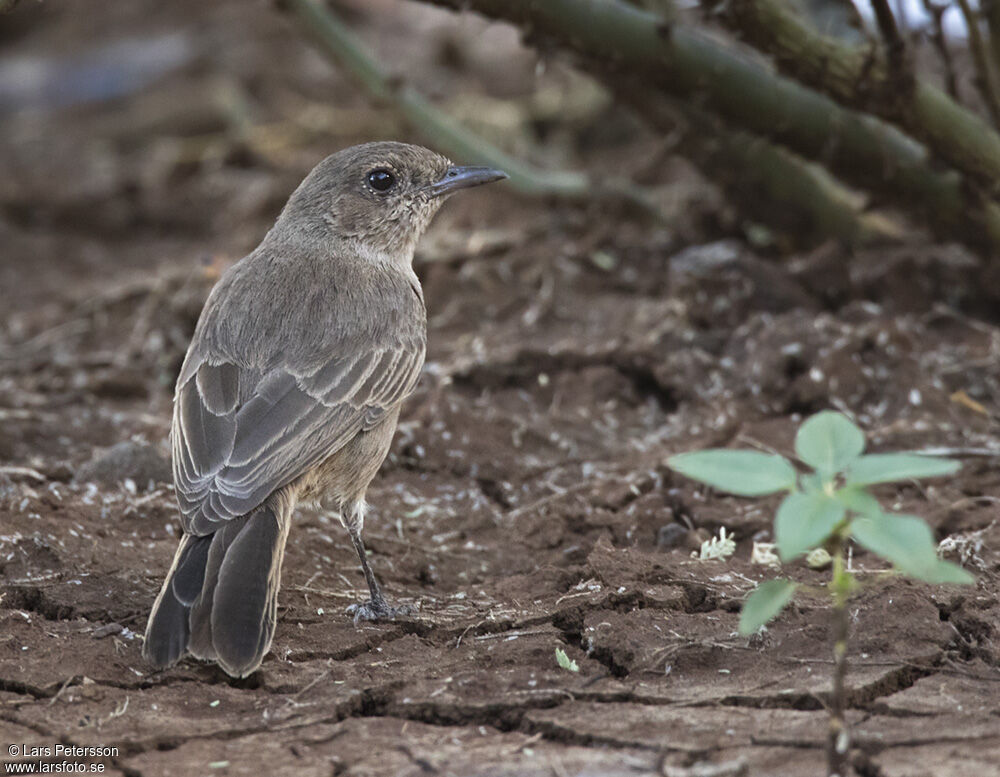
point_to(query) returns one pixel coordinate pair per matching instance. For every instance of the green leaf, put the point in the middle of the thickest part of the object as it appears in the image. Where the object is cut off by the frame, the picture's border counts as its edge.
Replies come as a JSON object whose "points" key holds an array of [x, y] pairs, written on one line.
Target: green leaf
{"points": [[828, 442], [745, 473], [804, 521], [764, 603], [565, 662], [947, 572], [811, 482], [906, 541], [857, 500], [887, 467]]}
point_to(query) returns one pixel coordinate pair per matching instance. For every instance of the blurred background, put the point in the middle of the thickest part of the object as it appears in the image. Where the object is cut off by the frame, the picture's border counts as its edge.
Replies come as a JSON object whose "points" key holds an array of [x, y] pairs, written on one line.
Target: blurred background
{"points": [[146, 138]]}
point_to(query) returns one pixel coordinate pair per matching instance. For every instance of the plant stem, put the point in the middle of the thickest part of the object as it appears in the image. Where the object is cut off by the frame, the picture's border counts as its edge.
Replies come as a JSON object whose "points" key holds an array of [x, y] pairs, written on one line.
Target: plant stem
{"points": [[838, 741]]}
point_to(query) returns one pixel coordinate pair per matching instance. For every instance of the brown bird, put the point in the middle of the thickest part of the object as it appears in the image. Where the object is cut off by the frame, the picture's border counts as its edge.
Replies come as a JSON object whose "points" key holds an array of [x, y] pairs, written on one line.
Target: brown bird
{"points": [[291, 389]]}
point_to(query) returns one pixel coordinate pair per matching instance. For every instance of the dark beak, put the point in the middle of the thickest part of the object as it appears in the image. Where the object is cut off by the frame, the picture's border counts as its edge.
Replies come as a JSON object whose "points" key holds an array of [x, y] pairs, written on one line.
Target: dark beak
{"points": [[463, 178]]}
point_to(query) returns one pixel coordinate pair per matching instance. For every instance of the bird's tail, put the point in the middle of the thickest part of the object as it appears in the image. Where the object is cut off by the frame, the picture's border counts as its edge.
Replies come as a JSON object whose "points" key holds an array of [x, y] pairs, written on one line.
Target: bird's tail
{"points": [[219, 600]]}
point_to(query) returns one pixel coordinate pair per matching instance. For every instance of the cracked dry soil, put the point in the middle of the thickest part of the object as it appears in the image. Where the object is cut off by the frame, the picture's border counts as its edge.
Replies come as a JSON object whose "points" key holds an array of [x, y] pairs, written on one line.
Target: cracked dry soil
{"points": [[525, 505]]}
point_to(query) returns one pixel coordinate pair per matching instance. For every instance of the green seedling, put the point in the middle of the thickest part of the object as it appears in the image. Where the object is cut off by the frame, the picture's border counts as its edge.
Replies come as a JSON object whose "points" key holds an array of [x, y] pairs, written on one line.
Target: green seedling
{"points": [[824, 510], [565, 662]]}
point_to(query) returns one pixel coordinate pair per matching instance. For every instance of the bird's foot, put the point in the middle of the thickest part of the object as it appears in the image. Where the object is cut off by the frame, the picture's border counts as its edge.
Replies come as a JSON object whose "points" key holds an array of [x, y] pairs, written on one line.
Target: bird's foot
{"points": [[378, 610]]}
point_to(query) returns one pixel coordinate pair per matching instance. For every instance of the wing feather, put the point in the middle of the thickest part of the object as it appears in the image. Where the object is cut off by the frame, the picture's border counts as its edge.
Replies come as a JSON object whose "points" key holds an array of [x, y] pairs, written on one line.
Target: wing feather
{"points": [[219, 387], [239, 433]]}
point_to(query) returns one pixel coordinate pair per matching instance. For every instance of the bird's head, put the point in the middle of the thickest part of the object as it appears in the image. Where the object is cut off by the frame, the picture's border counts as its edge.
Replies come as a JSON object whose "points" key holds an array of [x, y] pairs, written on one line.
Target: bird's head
{"points": [[378, 198]]}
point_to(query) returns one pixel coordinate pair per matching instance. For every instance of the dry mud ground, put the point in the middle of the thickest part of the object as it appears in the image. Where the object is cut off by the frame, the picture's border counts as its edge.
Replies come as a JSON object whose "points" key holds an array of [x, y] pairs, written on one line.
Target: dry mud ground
{"points": [[525, 506]]}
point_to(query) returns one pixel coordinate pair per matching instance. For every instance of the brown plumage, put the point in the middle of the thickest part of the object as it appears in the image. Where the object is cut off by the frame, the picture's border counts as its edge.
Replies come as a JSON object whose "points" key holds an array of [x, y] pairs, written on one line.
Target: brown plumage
{"points": [[291, 390]]}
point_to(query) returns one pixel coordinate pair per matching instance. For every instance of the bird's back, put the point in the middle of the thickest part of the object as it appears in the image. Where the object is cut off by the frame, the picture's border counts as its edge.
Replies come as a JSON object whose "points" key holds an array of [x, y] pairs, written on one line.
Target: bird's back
{"points": [[296, 352], [296, 305]]}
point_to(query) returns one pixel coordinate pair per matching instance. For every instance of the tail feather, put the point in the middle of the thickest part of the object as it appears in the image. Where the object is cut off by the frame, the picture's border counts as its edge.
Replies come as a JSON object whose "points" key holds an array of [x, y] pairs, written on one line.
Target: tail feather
{"points": [[242, 618], [219, 600], [200, 622], [188, 577], [168, 631]]}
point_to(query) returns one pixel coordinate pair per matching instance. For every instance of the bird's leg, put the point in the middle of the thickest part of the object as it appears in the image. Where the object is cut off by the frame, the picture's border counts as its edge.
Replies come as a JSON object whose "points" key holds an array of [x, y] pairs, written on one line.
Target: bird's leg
{"points": [[378, 600], [376, 608]]}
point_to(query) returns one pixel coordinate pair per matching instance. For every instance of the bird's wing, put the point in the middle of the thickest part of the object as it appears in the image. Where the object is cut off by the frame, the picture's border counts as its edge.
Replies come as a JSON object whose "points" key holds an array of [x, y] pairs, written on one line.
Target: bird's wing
{"points": [[239, 433]]}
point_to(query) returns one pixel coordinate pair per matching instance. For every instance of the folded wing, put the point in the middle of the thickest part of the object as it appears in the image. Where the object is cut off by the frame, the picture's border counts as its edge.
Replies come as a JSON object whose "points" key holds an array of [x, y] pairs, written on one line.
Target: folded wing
{"points": [[240, 433]]}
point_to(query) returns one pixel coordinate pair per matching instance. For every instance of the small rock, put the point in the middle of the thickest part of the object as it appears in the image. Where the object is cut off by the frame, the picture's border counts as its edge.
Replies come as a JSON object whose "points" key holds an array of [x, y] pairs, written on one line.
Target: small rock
{"points": [[672, 535], [107, 630], [129, 460], [818, 559], [60, 471]]}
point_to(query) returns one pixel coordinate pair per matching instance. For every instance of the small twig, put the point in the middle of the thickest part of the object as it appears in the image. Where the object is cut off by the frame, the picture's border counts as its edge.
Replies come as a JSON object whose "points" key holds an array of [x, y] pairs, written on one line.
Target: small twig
{"points": [[578, 594], [62, 688], [526, 743], [352, 593], [958, 671], [458, 642], [152, 496], [545, 500], [509, 635], [896, 48], [311, 684], [986, 76], [737, 768], [48, 576], [117, 713], [24, 472], [959, 452]]}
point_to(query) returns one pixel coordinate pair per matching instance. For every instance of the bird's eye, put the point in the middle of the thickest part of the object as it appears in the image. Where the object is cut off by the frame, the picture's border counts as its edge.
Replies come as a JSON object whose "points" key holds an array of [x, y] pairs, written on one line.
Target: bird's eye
{"points": [[381, 180]]}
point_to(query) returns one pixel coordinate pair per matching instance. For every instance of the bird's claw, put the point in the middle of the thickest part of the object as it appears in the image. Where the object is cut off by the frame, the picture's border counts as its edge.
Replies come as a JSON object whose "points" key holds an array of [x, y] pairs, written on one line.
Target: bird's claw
{"points": [[374, 610]]}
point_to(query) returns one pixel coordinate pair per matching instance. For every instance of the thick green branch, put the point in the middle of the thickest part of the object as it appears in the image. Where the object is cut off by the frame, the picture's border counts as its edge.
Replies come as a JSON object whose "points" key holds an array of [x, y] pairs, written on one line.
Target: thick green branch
{"points": [[859, 77], [766, 181], [681, 61]]}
